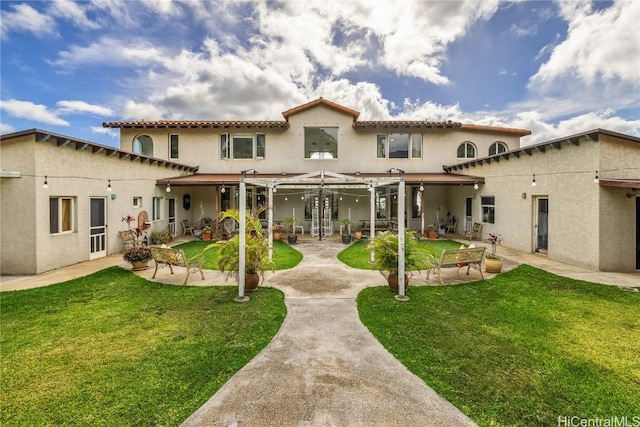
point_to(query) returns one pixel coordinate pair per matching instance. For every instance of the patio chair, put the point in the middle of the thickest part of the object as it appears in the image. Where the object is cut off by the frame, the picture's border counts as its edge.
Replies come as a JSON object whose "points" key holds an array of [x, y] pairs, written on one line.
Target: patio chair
{"points": [[451, 227], [473, 232], [186, 228]]}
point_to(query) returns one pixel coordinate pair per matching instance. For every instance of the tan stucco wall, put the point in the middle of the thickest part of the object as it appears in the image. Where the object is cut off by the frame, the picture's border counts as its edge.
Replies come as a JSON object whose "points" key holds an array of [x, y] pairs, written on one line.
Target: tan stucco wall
{"points": [[285, 147], [589, 225], [79, 174], [619, 159], [18, 237]]}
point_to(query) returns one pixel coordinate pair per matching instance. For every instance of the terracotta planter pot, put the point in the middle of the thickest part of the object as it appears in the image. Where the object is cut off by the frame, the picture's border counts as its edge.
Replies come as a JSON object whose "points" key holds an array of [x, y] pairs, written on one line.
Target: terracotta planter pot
{"points": [[251, 282], [277, 236], [392, 280], [206, 236], [492, 265], [432, 234], [140, 265], [357, 235]]}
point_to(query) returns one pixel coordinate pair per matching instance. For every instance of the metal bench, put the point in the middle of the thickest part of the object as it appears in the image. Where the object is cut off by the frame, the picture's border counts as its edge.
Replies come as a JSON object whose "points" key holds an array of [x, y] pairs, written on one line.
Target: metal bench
{"points": [[459, 258], [176, 257]]}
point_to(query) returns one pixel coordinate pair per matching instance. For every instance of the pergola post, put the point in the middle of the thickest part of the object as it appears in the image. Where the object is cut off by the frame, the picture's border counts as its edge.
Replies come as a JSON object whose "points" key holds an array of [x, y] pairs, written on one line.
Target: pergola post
{"points": [[270, 223], [242, 243], [401, 209], [372, 220]]}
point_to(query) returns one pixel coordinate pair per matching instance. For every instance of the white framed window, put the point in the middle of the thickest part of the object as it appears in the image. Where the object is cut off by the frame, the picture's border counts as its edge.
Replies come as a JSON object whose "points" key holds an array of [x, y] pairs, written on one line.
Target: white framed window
{"points": [[225, 152], [61, 215], [320, 143], [497, 148], [173, 146], [488, 204], [243, 146], [466, 150], [137, 202], [156, 212], [399, 146]]}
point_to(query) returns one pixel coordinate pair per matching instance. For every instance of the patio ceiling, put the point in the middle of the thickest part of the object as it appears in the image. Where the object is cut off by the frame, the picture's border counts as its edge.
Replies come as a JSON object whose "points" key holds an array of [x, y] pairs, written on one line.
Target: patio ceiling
{"points": [[361, 179]]}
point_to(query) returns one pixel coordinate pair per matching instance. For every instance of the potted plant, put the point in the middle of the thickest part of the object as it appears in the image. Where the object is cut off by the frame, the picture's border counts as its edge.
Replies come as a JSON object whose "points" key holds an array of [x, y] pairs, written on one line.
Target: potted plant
{"points": [[357, 234], [346, 230], [289, 223], [257, 260], [278, 231], [492, 262], [206, 233], [385, 255], [136, 254], [431, 232]]}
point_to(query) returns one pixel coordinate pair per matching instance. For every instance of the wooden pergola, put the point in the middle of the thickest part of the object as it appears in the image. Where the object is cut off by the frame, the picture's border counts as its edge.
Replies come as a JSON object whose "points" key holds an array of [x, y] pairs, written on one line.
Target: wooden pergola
{"points": [[320, 180]]}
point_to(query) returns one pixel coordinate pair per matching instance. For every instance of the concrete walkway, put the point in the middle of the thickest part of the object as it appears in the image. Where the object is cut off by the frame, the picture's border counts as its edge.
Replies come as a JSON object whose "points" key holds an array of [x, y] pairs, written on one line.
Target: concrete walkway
{"points": [[324, 367]]}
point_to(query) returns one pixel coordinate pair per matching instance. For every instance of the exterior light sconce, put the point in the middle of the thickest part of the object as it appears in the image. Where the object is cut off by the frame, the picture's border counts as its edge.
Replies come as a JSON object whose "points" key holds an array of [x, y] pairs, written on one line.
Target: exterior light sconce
{"points": [[275, 189], [533, 183], [168, 189], [286, 198], [223, 190], [596, 180], [356, 200], [475, 185], [109, 189], [421, 186], [45, 185], [357, 173]]}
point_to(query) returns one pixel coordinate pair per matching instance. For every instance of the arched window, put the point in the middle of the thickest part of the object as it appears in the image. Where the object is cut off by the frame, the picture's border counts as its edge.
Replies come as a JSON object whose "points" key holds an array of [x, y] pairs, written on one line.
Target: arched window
{"points": [[143, 144], [497, 148], [466, 150]]}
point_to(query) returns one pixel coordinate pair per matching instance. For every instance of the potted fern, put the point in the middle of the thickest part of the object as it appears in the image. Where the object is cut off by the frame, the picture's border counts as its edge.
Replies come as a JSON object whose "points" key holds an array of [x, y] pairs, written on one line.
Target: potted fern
{"points": [[385, 255], [257, 260]]}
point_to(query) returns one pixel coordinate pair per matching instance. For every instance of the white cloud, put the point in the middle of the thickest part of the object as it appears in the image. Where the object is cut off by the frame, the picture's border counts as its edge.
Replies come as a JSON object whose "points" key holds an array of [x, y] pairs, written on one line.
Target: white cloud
{"points": [[105, 131], [140, 111], [25, 18], [31, 111], [74, 12], [600, 46], [109, 51], [6, 128], [80, 107]]}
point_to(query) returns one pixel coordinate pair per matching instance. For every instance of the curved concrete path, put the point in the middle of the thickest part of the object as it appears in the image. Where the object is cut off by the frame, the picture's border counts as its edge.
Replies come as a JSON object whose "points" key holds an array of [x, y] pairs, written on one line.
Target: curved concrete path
{"points": [[324, 368]]}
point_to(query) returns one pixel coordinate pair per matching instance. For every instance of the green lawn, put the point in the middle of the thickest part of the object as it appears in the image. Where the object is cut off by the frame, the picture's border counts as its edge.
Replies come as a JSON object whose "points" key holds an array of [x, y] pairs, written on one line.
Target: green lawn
{"points": [[357, 255], [114, 349], [284, 255], [521, 349]]}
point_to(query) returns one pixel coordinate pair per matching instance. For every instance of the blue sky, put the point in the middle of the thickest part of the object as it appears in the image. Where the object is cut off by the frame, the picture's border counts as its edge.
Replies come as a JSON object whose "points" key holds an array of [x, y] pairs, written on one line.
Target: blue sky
{"points": [[555, 67]]}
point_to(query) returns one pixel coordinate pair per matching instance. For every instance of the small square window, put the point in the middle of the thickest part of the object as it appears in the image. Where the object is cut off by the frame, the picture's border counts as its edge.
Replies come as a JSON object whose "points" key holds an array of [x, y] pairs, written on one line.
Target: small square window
{"points": [[137, 202]]}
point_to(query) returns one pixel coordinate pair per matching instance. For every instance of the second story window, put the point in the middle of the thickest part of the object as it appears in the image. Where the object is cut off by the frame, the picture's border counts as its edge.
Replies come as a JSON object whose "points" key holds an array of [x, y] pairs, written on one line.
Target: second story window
{"points": [[243, 146], [143, 144], [497, 148], [321, 143], [173, 146], [466, 150], [399, 146]]}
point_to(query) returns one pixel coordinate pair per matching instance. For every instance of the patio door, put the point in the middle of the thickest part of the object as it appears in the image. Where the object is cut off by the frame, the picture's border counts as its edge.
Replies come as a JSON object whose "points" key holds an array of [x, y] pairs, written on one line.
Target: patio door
{"points": [[172, 216], [541, 224], [98, 228], [468, 213]]}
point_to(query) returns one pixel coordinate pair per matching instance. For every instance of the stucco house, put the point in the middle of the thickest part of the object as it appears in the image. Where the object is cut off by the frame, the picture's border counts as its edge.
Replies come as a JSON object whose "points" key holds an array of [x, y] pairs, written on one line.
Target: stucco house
{"points": [[474, 173]]}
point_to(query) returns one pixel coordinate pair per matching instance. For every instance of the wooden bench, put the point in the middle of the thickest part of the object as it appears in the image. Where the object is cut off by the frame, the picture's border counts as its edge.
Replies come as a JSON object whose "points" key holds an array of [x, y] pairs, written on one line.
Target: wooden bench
{"points": [[459, 258], [176, 257]]}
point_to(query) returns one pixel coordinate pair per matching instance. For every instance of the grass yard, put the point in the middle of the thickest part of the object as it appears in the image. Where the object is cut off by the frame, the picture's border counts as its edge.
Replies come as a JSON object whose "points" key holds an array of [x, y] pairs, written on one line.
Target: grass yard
{"points": [[357, 255], [114, 349], [284, 255], [521, 349]]}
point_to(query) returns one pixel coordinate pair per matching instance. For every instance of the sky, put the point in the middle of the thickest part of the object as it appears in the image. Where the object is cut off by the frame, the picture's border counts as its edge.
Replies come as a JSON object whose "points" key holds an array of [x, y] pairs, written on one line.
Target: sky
{"points": [[555, 67]]}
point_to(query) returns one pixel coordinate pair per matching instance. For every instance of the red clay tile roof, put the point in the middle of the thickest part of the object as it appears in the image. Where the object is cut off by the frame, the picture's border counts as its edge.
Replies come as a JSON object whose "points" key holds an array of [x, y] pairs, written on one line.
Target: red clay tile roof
{"points": [[215, 124], [386, 124], [521, 132], [321, 101]]}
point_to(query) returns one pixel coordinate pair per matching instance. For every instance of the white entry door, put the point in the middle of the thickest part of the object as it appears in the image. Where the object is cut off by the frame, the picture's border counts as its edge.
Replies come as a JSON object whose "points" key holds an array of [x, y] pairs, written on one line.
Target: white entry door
{"points": [[98, 228]]}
